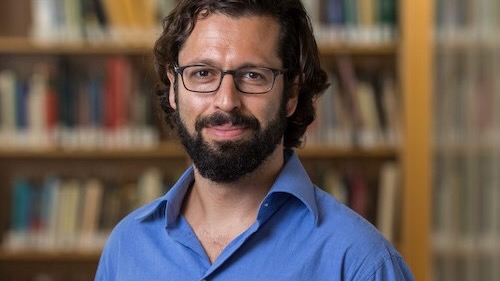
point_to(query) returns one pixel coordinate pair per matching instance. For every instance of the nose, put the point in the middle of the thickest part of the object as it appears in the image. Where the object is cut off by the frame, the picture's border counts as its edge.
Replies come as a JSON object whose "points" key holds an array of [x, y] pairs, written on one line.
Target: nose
{"points": [[227, 97]]}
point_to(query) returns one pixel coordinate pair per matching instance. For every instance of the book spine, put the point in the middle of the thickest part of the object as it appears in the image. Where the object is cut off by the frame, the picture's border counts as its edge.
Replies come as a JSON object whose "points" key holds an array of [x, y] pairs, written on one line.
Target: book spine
{"points": [[71, 214]]}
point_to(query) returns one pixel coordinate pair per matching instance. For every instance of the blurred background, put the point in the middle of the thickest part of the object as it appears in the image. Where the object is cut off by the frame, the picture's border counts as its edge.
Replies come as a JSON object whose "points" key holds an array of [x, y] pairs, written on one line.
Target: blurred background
{"points": [[406, 135]]}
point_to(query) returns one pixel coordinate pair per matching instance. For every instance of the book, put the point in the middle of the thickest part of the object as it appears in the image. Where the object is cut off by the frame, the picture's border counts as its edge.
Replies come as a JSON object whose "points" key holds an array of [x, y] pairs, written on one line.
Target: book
{"points": [[370, 133], [348, 82], [90, 214], [465, 220], [388, 200], [358, 194], [45, 27], [8, 112], [149, 186]]}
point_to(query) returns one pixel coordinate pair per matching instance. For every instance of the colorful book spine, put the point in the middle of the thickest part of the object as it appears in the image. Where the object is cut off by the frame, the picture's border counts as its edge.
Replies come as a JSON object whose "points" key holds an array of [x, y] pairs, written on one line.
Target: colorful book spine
{"points": [[70, 214], [71, 105]]}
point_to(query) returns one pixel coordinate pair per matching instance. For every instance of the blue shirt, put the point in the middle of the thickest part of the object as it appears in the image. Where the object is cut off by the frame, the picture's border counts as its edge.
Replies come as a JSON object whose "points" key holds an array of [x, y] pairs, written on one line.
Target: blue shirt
{"points": [[301, 233]]}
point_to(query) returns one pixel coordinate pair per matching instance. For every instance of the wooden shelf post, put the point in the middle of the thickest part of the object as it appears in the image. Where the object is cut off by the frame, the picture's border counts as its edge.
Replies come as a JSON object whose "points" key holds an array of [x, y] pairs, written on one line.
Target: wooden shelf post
{"points": [[416, 84]]}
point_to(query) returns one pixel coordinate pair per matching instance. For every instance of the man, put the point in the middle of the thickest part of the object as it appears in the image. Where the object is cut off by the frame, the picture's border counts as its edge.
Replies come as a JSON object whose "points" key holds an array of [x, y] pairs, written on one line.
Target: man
{"points": [[240, 79]]}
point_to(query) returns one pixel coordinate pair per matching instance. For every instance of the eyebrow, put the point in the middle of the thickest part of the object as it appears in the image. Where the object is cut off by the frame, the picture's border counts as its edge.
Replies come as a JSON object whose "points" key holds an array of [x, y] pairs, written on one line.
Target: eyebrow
{"points": [[211, 63]]}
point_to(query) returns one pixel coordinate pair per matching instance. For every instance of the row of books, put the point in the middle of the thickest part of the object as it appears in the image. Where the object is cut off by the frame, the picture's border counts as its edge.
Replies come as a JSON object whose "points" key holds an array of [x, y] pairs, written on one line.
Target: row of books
{"points": [[76, 214], [73, 214], [467, 267], [375, 196], [466, 205], [67, 104], [467, 21], [468, 100], [358, 21], [466, 226], [129, 21], [360, 109]]}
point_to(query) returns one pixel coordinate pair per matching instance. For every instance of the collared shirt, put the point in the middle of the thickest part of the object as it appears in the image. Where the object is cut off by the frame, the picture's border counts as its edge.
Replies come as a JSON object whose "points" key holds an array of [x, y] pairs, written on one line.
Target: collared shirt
{"points": [[301, 233]]}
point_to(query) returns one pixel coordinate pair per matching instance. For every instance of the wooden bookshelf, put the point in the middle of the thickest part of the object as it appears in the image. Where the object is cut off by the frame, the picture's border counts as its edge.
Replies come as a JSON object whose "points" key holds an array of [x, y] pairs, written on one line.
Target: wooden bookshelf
{"points": [[410, 55], [27, 46], [175, 151], [416, 82], [353, 49], [48, 256], [164, 150]]}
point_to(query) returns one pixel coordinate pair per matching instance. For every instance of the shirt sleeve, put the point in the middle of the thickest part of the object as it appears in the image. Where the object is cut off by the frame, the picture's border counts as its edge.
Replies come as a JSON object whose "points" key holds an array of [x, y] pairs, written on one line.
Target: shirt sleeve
{"points": [[105, 267], [392, 269]]}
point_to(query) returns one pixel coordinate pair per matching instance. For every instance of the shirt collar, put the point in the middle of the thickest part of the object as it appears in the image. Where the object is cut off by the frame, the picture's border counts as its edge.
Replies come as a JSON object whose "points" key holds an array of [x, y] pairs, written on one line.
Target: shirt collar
{"points": [[293, 179]]}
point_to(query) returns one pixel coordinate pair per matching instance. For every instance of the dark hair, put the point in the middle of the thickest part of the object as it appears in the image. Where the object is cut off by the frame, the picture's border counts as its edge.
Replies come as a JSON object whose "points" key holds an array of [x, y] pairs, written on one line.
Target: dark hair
{"points": [[297, 49]]}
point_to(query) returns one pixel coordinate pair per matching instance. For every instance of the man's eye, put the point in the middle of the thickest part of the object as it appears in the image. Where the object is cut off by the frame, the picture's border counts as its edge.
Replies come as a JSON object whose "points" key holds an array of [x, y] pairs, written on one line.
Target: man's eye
{"points": [[203, 73], [252, 75]]}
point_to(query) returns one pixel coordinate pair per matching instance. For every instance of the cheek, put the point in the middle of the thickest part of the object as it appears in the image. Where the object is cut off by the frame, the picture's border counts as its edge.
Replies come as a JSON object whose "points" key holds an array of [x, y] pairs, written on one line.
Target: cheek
{"points": [[190, 108], [270, 110]]}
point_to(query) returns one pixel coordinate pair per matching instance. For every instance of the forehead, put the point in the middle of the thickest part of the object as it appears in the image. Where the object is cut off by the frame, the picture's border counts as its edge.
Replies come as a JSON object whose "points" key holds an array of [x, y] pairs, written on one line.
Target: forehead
{"points": [[232, 41]]}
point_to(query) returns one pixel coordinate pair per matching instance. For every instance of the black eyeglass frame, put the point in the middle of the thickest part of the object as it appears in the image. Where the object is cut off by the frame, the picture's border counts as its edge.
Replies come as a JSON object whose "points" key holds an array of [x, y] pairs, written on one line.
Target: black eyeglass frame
{"points": [[276, 72]]}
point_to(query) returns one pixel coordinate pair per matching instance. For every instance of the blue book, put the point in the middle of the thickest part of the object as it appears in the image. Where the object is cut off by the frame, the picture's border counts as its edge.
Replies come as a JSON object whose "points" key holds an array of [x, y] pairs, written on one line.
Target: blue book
{"points": [[96, 95], [334, 12], [22, 95], [20, 209]]}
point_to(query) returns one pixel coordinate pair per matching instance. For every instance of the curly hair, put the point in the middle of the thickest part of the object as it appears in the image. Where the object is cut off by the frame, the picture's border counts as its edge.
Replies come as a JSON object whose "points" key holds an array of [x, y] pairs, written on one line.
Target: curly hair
{"points": [[297, 49]]}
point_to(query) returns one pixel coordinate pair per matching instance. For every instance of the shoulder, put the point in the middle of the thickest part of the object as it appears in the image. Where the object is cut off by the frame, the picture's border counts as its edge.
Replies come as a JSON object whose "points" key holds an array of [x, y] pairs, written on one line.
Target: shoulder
{"points": [[137, 225], [365, 252]]}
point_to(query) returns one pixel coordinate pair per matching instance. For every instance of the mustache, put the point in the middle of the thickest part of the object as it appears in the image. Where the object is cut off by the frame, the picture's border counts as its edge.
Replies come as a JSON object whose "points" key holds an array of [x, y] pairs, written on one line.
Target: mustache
{"points": [[233, 118]]}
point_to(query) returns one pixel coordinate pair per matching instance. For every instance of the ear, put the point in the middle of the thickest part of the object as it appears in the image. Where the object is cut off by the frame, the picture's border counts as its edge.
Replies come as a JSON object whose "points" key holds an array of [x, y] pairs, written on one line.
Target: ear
{"points": [[293, 98], [171, 91]]}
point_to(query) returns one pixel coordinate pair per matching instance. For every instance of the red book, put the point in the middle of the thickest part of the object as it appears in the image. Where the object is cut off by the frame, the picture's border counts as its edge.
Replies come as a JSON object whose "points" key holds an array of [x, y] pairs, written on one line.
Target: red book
{"points": [[117, 92]]}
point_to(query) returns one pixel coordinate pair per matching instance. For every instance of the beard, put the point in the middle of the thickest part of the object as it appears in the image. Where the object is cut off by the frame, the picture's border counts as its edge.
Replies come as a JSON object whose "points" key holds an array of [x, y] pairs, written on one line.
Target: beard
{"points": [[228, 161]]}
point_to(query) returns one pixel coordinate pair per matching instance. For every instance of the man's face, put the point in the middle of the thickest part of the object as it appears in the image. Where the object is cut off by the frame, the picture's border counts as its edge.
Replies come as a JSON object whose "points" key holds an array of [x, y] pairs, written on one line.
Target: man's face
{"points": [[228, 133]]}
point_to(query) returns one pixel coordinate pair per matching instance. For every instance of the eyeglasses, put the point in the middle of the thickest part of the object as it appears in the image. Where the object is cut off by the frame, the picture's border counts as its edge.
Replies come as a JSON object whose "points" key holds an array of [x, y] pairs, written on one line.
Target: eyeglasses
{"points": [[201, 78]]}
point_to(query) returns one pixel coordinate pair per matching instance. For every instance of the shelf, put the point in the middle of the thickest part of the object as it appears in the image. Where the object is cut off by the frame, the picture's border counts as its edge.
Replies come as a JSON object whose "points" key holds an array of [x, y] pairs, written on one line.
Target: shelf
{"points": [[332, 152], [174, 150], [27, 46], [166, 150], [383, 49], [49, 256]]}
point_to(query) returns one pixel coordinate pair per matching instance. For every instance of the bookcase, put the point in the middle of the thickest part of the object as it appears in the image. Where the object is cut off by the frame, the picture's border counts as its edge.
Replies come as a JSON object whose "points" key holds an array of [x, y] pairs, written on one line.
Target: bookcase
{"points": [[465, 238], [372, 150]]}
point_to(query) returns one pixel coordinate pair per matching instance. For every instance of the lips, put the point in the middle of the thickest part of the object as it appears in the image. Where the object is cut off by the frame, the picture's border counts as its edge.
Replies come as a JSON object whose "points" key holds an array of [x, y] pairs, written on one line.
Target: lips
{"points": [[227, 124], [226, 131]]}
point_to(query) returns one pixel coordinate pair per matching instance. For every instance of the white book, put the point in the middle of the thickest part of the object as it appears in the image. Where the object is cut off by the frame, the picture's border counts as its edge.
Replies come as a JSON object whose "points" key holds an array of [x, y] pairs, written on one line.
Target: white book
{"points": [[37, 109], [150, 186], [45, 28], [388, 198], [72, 27], [336, 186], [7, 105], [90, 213], [68, 208], [370, 134]]}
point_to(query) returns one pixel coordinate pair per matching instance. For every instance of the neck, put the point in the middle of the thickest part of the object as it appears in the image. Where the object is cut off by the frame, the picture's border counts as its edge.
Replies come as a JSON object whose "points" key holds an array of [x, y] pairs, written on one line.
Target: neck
{"points": [[241, 197], [218, 212]]}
